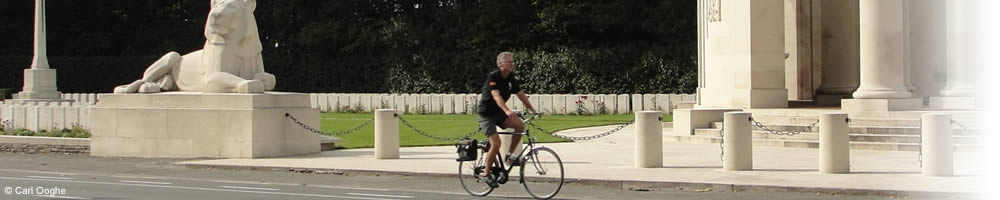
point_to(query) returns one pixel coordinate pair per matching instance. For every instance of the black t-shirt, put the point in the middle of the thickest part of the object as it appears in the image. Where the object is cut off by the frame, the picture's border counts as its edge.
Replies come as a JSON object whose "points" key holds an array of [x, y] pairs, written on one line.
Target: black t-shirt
{"points": [[495, 81]]}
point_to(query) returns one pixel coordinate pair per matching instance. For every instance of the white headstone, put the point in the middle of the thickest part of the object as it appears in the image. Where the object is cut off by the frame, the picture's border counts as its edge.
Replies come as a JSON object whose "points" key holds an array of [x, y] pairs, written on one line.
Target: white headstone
{"points": [[59, 117], [448, 103], [637, 103], [73, 116], [412, 103], [45, 115], [559, 104], [332, 100], [622, 104], [20, 118], [321, 101], [313, 98], [85, 116], [649, 102], [399, 102], [343, 102], [31, 118], [663, 103]]}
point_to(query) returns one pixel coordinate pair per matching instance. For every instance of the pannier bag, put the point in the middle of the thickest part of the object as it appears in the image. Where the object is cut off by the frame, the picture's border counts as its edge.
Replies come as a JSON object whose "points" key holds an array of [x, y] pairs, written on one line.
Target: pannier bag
{"points": [[467, 150]]}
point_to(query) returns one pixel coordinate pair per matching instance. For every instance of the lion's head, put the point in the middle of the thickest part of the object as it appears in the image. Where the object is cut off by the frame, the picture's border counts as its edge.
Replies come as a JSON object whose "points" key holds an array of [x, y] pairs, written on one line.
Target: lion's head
{"points": [[231, 22]]}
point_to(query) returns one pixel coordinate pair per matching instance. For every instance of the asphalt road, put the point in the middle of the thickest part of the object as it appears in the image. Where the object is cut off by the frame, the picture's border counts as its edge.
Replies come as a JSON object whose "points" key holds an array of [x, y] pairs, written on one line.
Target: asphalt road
{"points": [[49, 176]]}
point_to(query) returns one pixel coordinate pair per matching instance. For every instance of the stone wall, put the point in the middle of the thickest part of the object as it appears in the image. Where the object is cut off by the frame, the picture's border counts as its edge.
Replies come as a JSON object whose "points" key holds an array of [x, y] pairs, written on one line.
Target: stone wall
{"points": [[468, 103], [33, 145], [44, 148]]}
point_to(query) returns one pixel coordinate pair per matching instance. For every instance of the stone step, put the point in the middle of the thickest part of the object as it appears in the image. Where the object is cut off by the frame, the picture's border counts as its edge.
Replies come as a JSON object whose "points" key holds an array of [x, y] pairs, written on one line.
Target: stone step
{"points": [[814, 144], [890, 130], [327, 142], [814, 136], [793, 112], [806, 120]]}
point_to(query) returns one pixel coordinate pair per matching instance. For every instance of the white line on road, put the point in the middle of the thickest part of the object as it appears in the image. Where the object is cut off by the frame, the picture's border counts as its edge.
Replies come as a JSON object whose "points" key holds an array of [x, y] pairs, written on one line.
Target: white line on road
{"points": [[197, 188], [49, 177], [249, 188], [37, 172], [145, 182], [351, 188], [60, 197], [381, 195]]}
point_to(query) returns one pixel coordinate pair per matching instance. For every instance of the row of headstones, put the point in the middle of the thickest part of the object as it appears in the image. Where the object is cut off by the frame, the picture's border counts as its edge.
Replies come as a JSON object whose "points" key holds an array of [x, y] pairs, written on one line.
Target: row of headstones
{"points": [[468, 103], [85, 98], [44, 115]]}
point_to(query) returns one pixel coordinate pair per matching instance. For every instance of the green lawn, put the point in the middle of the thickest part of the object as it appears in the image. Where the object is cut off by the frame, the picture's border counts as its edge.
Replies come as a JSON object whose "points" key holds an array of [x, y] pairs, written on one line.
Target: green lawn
{"points": [[451, 126]]}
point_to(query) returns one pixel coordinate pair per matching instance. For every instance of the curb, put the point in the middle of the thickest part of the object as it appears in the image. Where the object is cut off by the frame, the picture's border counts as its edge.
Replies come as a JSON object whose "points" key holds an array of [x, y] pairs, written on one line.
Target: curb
{"points": [[629, 185]]}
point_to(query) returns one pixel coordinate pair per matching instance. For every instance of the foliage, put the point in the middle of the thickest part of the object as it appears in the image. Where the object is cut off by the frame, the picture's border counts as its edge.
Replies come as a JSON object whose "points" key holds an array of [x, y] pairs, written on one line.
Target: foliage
{"points": [[365, 46]]}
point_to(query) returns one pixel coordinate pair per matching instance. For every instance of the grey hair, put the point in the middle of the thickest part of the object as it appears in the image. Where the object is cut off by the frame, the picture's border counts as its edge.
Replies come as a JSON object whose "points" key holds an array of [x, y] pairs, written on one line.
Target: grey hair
{"points": [[503, 54]]}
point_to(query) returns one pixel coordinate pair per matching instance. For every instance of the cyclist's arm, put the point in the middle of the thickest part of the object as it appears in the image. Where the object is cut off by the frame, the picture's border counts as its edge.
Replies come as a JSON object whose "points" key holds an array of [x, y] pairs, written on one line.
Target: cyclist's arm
{"points": [[500, 102], [526, 101]]}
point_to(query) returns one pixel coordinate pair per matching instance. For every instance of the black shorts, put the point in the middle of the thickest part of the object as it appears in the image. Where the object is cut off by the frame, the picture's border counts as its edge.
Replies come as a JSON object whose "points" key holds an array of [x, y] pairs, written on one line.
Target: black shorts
{"points": [[488, 124]]}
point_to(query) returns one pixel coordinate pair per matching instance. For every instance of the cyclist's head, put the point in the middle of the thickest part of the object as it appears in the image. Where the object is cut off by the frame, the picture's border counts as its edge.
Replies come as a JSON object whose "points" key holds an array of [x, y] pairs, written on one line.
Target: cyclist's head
{"points": [[505, 61]]}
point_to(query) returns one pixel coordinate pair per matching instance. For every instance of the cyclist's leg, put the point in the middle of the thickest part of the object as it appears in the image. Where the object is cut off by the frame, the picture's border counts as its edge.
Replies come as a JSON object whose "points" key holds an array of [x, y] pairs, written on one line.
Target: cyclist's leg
{"points": [[492, 153], [488, 125], [518, 126]]}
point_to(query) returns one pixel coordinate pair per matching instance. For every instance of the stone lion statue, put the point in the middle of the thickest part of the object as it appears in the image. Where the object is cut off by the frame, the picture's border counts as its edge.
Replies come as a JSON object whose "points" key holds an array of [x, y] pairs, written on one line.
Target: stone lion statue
{"points": [[230, 61]]}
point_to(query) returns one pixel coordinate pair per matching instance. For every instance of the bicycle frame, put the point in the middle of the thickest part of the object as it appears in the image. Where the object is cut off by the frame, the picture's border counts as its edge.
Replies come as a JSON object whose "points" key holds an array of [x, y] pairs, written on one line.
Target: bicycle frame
{"points": [[528, 148]]}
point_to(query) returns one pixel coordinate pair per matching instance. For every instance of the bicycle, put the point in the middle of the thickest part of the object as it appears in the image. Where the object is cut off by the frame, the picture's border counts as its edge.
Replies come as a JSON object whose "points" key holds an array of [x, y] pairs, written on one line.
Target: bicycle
{"points": [[538, 165]]}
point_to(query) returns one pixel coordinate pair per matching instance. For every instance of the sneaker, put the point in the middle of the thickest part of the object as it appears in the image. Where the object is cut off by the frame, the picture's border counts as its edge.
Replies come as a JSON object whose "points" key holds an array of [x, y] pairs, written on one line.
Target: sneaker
{"points": [[512, 160], [492, 181]]}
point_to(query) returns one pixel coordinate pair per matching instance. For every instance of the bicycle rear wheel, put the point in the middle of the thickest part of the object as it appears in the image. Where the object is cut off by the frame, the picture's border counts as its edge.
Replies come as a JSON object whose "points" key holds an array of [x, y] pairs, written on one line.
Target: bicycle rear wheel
{"points": [[468, 175], [542, 173]]}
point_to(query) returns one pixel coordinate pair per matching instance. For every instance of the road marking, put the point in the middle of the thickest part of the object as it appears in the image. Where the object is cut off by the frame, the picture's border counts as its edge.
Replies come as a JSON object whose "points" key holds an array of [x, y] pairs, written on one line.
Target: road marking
{"points": [[197, 188], [145, 182], [37, 172], [60, 197], [142, 177], [351, 188], [49, 177], [249, 188], [381, 195]]}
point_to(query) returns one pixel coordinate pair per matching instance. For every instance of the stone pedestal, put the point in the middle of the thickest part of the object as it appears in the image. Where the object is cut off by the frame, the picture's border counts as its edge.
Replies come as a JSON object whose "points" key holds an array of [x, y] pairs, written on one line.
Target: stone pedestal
{"points": [[687, 120], [39, 86], [881, 105], [962, 103], [194, 124]]}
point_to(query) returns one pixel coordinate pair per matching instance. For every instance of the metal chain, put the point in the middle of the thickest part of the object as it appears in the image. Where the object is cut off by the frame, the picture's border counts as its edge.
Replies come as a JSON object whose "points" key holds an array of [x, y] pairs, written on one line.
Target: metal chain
{"points": [[776, 132], [338, 133], [422, 133], [573, 138]]}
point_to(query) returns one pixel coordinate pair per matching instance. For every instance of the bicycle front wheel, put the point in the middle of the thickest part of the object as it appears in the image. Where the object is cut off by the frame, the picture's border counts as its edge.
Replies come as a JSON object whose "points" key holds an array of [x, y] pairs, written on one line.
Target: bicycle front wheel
{"points": [[542, 173], [468, 175]]}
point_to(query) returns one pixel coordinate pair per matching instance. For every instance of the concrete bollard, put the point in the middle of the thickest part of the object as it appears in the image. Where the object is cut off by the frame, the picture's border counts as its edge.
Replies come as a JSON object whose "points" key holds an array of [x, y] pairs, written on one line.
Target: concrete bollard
{"points": [[834, 146], [738, 141], [936, 144], [386, 134], [648, 139]]}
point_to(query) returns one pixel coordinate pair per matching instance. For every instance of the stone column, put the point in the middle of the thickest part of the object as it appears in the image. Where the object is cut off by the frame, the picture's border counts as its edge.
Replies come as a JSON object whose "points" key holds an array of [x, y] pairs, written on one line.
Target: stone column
{"points": [[963, 55], [39, 80], [928, 46], [840, 51], [743, 55], [883, 57]]}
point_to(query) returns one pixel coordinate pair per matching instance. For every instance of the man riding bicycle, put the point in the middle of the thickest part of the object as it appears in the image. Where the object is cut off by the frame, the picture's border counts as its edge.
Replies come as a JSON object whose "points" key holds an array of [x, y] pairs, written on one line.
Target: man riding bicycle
{"points": [[493, 110]]}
